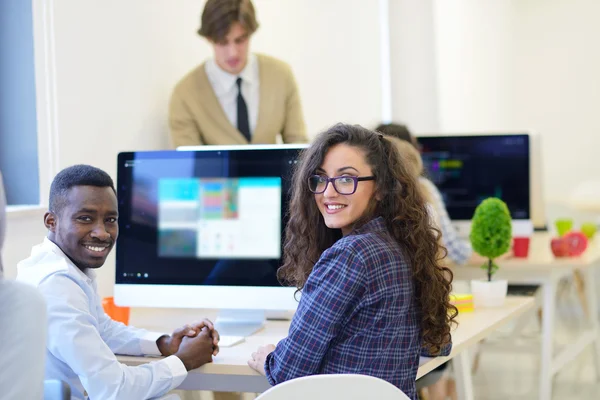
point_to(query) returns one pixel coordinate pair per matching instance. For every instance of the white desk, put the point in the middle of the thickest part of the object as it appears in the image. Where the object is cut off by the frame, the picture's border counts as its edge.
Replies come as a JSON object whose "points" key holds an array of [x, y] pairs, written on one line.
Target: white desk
{"points": [[230, 371], [542, 268]]}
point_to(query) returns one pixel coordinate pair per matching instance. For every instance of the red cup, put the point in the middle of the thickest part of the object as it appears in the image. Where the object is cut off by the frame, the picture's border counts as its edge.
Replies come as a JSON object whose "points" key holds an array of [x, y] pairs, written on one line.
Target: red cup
{"points": [[119, 314], [521, 247]]}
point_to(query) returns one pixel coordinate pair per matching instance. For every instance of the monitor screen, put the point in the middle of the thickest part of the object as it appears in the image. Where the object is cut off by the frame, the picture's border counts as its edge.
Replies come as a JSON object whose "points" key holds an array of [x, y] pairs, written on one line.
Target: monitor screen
{"points": [[468, 169], [207, 217]]}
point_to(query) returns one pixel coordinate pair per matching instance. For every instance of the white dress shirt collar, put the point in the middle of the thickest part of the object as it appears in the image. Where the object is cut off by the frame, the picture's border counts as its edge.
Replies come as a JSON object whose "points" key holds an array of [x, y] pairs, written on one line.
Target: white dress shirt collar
{"points": [[88, 274], [47, 258], [225, 89], [227, 81]]}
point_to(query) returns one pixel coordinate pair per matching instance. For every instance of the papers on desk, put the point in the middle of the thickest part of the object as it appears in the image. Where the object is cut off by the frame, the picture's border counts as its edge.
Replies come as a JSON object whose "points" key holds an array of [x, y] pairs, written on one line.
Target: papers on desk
{"points": [[228, 341]]}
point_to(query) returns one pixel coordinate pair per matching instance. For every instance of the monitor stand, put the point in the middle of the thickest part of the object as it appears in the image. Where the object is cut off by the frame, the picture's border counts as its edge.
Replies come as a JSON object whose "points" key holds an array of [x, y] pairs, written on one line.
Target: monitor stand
{"points": [[239, 323]]}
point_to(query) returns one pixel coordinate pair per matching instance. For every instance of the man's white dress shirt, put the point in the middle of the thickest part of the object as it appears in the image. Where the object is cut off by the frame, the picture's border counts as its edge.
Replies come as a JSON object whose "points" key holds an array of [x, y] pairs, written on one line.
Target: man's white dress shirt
{"points": [[83, 340], [225, 88]]}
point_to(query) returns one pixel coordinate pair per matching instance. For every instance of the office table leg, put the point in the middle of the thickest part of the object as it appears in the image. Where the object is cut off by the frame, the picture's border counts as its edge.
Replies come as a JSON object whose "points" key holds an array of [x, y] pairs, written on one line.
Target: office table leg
{"points": [[580, 287], [464, 380], [592, 302], [549, 293]]}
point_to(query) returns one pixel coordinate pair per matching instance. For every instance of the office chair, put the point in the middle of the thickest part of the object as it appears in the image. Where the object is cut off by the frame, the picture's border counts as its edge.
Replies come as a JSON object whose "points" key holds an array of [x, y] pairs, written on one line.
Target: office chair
{"points": [[55, 389], [334, 386]]}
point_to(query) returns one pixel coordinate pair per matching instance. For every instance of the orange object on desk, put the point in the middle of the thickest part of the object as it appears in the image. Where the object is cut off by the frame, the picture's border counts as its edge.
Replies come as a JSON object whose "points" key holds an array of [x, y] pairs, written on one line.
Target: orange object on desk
{"points": [[120, 314], [463, 302]]}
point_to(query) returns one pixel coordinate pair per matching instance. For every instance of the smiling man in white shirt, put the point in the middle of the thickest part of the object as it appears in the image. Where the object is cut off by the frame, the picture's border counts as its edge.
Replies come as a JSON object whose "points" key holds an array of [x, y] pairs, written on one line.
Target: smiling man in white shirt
{"points": [[82, 339]]}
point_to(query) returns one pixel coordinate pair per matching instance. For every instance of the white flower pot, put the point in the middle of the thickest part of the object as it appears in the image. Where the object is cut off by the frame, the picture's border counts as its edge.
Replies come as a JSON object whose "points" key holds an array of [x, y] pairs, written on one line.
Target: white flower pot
{"points": [[488, 294]]}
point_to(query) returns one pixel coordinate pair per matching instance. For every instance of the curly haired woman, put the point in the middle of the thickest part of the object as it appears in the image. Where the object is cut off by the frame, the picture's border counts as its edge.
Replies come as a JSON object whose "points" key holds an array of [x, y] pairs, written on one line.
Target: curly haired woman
{"points": [[361, 248]]}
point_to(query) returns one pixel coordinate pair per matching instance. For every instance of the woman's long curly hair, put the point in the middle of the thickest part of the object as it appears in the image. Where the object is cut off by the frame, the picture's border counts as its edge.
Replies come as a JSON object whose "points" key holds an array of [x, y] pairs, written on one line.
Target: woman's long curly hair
{"points": [[404, 211]]}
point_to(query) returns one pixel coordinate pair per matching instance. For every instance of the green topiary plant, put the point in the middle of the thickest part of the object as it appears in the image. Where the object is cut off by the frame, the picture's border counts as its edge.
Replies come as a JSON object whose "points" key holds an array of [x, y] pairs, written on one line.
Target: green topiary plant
{"points": [[491, 232]]}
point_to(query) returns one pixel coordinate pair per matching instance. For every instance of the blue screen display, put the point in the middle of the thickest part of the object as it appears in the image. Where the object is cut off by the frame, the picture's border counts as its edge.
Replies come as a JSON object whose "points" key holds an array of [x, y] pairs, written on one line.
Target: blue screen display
{"points": [[208, 217]]}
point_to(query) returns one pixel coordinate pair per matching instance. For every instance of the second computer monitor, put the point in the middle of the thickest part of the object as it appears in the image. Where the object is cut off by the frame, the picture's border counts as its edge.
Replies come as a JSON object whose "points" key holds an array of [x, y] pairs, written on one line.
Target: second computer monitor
{"points": [[470, 168]]}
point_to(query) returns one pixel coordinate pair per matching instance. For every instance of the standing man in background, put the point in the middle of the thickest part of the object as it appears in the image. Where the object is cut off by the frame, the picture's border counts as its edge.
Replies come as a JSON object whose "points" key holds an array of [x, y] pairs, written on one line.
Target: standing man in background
{"points": [[237, 97]]}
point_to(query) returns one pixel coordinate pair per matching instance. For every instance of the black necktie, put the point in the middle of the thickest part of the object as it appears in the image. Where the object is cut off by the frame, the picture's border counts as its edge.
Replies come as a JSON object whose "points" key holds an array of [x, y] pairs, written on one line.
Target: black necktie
{"points": [[242, 112]]}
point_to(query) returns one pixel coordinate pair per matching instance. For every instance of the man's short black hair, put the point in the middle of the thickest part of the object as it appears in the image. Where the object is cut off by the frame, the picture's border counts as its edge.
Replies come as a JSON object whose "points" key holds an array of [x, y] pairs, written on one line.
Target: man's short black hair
{"points": [[77, 175]]}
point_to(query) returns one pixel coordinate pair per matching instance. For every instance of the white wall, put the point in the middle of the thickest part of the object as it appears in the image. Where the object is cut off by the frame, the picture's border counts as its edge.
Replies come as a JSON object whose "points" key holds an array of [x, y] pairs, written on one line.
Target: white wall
{"points": [[473, 50], [333, 47], [105, 70], [413, 64], [518, 65], [116, 63], [23, 230]]}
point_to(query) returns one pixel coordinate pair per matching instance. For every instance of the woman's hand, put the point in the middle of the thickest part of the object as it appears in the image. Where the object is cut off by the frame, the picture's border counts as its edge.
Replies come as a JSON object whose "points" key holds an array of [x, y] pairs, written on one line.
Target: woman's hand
{"points": [[257, 362]]}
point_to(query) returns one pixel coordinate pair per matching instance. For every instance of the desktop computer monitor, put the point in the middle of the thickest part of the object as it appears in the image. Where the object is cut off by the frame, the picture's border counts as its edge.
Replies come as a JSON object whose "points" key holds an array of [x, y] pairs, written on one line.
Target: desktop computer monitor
{"points": [[204, 228], [469, 168]]}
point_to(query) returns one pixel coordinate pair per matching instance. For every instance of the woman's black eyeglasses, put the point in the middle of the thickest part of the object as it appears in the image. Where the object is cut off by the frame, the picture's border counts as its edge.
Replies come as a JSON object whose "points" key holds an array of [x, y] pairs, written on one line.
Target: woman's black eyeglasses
{"points": [[342, 184]]}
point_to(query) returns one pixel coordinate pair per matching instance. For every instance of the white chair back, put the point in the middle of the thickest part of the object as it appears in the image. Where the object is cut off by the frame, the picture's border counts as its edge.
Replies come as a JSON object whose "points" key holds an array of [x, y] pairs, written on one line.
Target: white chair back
{"points": [[338, 386], [2, 220]]}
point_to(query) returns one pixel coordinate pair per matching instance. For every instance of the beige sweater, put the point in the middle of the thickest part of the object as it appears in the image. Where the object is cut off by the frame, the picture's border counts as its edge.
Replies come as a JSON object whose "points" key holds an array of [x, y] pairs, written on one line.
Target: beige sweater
{"points": [[196, 116]]}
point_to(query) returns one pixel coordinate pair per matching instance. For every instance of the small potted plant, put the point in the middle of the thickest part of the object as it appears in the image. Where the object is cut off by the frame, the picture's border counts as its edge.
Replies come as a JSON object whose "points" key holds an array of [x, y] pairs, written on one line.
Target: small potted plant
{"points": [[491, 234]]}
